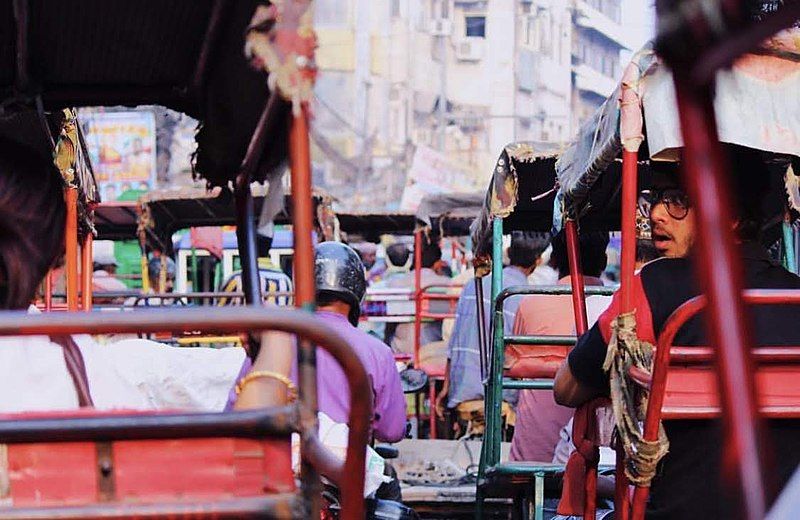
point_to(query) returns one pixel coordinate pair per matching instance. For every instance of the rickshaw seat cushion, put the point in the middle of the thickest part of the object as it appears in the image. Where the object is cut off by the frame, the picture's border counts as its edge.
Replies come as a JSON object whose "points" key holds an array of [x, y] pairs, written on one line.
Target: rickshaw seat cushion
{"points": [[151, 471], [529, 361], [691, 392]]}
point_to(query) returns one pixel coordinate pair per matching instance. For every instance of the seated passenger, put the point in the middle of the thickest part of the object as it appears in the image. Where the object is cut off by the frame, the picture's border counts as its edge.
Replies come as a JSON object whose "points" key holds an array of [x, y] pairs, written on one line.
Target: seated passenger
{"points": [[105, 268], [161, 271], [341, 285], [38, 373], [403, 339], [398, 262], [539, 418], [687, 481], [272, 279], [463, 375]]}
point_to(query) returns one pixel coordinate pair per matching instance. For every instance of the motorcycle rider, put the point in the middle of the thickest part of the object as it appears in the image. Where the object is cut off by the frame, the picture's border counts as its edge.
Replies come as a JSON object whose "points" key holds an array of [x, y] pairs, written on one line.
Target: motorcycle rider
{"points": [[341, 285]]}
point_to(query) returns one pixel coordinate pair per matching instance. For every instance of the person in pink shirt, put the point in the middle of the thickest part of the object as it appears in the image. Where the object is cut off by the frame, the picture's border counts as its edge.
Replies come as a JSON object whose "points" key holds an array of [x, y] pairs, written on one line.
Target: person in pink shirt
{"points": [[539, 418], [341, 285]]}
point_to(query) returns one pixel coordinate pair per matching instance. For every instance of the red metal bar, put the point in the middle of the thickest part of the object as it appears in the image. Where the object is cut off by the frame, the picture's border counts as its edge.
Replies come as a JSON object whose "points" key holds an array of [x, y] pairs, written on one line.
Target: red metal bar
{"points": [[576, 277], [630, 191], [666, 353], [48, 291], [305, 296], [720, 269], [581, 429], [302, 211], [233, 320], [628, 227], [417, 294], [622, 498], [86, 272], [71, 248]]}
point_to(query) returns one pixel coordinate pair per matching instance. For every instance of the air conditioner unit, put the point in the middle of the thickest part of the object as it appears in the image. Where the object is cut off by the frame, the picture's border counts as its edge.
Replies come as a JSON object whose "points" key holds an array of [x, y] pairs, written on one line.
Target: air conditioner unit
{"points": [[470, 49], [441, 27]]}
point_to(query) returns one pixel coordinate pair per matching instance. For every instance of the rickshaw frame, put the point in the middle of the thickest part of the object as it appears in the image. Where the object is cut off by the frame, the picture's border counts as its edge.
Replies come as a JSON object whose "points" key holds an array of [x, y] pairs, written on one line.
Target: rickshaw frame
{"points": [[282, 113]]}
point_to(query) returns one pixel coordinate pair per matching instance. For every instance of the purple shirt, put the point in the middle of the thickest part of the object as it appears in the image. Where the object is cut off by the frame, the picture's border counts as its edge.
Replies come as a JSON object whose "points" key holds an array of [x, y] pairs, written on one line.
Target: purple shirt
{"points": [[389, 421]]}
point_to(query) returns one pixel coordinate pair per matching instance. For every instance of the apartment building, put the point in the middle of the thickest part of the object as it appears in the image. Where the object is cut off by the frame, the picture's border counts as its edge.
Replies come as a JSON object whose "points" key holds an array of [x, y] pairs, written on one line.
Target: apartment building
{"points": [[462, 77], [598, 38]]}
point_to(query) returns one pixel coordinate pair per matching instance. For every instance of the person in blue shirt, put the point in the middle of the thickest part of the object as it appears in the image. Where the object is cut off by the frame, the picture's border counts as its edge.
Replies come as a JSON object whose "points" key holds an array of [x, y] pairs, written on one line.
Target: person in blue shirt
{"points": [[463, 376]]}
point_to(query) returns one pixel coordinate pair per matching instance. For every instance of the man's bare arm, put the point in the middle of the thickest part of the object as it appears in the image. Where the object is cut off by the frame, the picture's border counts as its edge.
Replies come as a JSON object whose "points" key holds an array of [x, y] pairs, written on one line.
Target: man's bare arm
{"points": [[569, 391]]}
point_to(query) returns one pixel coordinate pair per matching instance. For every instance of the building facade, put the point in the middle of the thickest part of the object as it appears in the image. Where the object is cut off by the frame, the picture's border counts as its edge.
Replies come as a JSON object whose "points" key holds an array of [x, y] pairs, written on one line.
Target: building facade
{"points": [[596, 45], [462, 77]]}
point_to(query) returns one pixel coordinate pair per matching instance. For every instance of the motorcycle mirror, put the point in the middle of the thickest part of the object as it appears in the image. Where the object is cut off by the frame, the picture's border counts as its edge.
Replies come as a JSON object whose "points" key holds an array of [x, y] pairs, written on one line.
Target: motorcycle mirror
{"points": [[413, 380]]}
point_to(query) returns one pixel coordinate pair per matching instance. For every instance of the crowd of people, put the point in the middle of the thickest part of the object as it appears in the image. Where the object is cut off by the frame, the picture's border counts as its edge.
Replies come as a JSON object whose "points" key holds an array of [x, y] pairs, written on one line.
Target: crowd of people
{"points": [[144, 374]]}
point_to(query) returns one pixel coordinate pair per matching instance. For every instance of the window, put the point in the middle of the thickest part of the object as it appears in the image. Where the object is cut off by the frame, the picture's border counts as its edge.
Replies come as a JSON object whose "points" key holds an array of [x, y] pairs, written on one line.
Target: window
{"points": [[331, 12], [395, 8], [475, 26]]}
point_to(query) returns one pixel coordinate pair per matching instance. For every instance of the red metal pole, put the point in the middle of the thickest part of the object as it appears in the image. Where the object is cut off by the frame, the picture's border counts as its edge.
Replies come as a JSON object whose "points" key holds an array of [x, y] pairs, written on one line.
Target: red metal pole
{"points": [[417, 294], [48, 291], [305, 296], [71, 248], [86, 272], [720, 269], [576, 277], [628, 227], [630, 190], [302, 212], [581, 326]]}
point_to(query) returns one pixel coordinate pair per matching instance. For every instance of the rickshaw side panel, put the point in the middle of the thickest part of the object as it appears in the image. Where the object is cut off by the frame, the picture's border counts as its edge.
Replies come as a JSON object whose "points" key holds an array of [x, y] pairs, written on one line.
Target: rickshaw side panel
{"points": [[693, 392], [184, 470]]}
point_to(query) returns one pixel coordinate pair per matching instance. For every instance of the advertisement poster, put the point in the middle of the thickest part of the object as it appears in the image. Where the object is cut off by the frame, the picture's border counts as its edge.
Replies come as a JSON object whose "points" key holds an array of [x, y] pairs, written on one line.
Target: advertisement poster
{"points": [[122, 148], [433, 172]]}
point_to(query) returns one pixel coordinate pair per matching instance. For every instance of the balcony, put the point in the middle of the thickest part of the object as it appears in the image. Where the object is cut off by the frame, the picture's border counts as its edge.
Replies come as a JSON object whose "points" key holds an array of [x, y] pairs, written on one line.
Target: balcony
{"points": [[590, 18], [589, 80]]}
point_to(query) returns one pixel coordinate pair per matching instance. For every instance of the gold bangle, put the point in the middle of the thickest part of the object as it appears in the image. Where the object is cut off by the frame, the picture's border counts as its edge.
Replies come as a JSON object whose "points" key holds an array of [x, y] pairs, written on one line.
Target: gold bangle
{"points": [[291, 389]]}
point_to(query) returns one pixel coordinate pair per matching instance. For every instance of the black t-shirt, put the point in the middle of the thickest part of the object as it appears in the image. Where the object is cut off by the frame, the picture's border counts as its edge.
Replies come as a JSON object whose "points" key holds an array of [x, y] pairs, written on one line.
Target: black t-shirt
{"points": [[687, 482]]}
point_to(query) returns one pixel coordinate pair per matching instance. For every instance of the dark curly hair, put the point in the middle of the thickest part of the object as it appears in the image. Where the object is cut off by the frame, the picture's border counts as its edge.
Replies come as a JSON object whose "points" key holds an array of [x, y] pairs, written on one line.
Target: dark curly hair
{"points": [[32, 214], [593, 246]]}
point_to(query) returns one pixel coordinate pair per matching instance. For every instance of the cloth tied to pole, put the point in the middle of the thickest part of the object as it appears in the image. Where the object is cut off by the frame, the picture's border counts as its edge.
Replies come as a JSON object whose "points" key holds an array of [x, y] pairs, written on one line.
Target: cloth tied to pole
{"points": [[629, 400], [586, 455]]}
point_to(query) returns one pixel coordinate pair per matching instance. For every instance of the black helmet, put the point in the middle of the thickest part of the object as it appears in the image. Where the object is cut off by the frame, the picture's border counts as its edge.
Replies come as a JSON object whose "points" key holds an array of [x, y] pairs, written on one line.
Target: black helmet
{"points": [[338, 272]]}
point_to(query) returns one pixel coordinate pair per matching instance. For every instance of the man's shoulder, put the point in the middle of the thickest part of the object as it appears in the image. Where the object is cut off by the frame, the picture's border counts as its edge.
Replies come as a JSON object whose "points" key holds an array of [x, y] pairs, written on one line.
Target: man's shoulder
{"points": [[666, 271], [369, 344]]}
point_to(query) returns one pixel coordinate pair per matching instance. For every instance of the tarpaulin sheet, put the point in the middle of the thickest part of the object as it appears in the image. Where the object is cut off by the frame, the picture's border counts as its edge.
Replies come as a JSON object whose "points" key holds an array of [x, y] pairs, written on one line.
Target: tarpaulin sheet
{"points": [[117, 52], [521, 192], [756, 106], [450, 214]]}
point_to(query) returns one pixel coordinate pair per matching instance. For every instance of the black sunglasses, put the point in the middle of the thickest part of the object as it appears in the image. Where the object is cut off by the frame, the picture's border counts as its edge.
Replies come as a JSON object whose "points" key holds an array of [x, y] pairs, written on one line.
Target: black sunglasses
{"points": [[675, 201]]}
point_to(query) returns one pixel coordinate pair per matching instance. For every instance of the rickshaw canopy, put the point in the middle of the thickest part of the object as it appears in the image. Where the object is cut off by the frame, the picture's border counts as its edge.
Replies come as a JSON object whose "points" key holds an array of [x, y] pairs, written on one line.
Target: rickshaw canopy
{"points": [[450, 214], [755, 106], [167, 211], [184, 54], [521, 192], [370, 226]]}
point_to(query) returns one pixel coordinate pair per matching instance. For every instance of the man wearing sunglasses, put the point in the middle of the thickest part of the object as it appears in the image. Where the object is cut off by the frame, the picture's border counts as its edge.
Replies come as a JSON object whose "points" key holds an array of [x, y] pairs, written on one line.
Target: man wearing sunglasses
{"points": [[686, 484]]}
